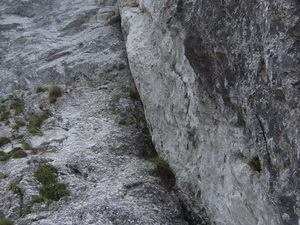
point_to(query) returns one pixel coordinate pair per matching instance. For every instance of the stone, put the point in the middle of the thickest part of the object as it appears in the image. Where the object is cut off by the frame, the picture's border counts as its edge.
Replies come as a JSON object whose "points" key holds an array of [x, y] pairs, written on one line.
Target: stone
{"points": [[219, 81]]}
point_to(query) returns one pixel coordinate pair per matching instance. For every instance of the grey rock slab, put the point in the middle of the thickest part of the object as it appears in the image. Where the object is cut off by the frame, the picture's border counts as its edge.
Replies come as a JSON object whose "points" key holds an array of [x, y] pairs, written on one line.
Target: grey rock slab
{"points": [[219, 81], [77, 45]]}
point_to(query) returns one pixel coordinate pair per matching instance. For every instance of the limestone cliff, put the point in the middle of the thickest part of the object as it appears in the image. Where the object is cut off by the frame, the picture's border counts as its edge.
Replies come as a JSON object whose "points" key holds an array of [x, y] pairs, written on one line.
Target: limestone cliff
{"points": [[219, 81]]}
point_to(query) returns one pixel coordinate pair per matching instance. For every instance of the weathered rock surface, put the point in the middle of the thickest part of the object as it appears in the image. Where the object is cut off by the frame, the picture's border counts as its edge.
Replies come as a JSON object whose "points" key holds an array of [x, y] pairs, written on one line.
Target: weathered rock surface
{"points": [[79, 46], [219, 81]]}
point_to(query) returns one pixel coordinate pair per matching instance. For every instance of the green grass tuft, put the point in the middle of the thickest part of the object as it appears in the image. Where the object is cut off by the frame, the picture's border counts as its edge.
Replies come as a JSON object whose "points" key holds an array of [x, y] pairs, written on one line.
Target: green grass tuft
{"points": [[4, 116], [45, 173], [17, 106], [51, 190], [35, 122], [14, 187], [2, 108], [3, 141], [54, 191], [54, 93], [3, 176], [122, 122], [36, 199], [17, 153], [41, 89], [4, 156]]}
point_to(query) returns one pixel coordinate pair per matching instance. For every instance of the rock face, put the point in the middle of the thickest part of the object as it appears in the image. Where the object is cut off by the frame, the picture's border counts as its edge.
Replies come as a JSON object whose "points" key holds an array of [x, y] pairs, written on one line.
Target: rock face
{"points": [[89, 129], [219, 81]]}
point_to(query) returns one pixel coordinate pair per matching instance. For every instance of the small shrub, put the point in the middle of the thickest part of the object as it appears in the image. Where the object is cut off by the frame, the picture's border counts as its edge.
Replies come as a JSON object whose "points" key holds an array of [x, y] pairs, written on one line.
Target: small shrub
{"points": [[36, 199], [3, 141], [122, 122], [41, 89], [17, 106], [6, 222], [4, 116], [45, 173], [54, 93], [54, 191], [254, 163]]}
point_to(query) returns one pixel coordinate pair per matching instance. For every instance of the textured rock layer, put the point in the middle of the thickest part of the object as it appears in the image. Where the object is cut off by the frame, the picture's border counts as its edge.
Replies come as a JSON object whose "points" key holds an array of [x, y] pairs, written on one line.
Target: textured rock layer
{"points": [[94, 134], [219, 81]]}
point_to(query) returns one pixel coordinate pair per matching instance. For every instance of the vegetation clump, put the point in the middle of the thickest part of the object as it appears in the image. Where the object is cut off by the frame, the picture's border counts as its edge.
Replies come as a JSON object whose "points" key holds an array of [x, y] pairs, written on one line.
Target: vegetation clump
{"points": [[3, 176], [17, 106], [6, 222], [2, 108], [35, 122], [18, 124], [122, 122], [4, 116], [134, 94], [54, 93], [45, 173], [162, 170], [17, 153], [51, 190], [41, 89], [36, 199], [254, 163], [14, 187], [54, 191], [14, 153], [4, 156], [3, 141]]}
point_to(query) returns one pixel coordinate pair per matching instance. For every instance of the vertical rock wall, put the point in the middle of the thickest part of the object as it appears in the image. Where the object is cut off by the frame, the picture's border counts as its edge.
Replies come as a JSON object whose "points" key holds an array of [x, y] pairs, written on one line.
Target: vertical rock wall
{"points": [[220, 85]]}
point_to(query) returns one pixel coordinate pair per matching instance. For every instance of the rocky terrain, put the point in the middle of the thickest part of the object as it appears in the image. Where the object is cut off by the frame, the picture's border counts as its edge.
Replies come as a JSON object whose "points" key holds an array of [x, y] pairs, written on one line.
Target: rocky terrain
{"points": [[218, 82]]}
